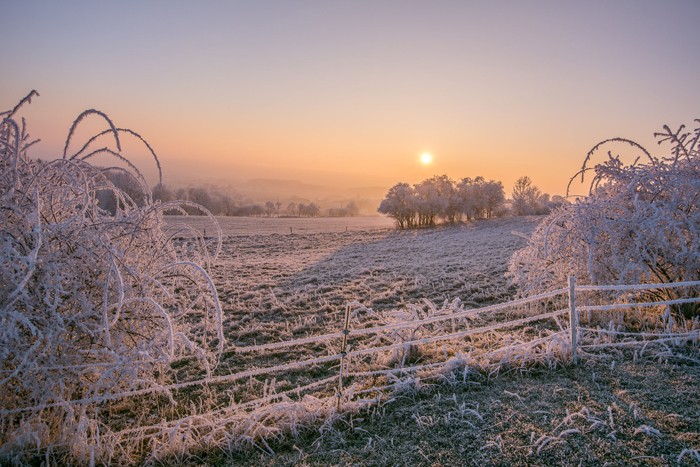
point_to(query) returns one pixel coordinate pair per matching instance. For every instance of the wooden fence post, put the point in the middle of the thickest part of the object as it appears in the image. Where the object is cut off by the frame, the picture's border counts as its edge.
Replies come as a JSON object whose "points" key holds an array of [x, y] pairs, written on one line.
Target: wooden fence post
{"points": [[343, 353], [573, 318]]}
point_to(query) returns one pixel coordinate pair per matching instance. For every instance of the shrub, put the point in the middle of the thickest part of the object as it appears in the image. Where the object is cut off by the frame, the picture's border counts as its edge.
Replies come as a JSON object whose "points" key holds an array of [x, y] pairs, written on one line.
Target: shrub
{"points": [[93, 302], [640, 223]]}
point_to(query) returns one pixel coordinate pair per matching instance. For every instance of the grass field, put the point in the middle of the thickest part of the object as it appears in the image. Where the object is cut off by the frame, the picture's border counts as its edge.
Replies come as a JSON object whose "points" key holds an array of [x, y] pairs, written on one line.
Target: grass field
{"points": [[639, 413], [500, 399], [615, 408], [312, 276]]}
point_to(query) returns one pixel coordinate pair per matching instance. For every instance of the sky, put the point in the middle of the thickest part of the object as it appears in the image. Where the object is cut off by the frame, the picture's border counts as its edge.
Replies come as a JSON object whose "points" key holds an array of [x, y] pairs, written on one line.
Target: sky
{"points": [[349, 94]]}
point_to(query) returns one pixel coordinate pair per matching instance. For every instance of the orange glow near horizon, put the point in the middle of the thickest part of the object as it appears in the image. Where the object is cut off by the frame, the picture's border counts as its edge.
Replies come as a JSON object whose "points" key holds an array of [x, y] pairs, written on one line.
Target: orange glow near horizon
{"points": [[227, 92]]}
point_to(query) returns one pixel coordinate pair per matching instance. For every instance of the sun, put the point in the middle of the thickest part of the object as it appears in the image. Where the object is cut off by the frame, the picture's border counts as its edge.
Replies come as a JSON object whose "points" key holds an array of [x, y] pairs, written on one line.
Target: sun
{"points": [[426, 158]]}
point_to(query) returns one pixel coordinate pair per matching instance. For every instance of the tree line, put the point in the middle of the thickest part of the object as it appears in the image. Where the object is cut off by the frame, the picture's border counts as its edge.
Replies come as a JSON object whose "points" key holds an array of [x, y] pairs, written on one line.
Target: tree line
{"points": [[215, 200], [439, 198]]}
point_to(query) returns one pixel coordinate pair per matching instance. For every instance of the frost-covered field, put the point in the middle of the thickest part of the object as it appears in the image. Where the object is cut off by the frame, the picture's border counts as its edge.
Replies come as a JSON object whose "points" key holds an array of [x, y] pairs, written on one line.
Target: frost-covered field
{"points": [[305, 280], [617, 407], [280, 287]]}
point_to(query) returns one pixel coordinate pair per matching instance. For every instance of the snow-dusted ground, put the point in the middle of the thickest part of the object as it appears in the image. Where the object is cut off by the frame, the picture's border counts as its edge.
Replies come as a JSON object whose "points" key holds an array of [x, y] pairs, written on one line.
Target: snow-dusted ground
{"points": [[278, 287], [307, 279]]}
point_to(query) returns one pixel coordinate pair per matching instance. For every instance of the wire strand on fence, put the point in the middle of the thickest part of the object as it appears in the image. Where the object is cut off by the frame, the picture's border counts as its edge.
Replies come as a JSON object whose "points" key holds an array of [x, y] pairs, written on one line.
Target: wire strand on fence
{"points": [[618, 306], [639, 334], [285, 344], [176, 386], [389, 371], [461, 314], [457, 335], [668, 285], [676, 337]]}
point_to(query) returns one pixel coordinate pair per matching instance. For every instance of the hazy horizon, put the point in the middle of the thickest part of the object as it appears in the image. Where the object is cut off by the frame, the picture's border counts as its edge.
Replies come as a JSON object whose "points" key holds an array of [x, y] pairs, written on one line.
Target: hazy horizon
{"points": [[350, 94]]}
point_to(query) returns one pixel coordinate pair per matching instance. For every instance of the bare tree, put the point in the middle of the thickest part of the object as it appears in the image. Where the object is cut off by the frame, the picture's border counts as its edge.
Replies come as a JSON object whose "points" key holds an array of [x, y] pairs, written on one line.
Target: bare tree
{"points": [[269, 208], [526, 197]]}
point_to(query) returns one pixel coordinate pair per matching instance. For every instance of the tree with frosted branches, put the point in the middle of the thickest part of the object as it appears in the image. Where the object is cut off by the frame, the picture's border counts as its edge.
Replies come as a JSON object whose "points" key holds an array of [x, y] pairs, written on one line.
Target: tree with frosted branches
{"points": [[527, 198], [399, 204], [432, 199], [439, 197]]}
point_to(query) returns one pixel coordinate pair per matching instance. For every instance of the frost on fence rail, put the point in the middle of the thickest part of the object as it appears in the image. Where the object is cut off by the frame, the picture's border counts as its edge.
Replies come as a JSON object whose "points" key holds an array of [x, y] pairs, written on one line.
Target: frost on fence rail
{"points": [[368, 346], [617, 306], [452, 315], [457, 335], [671, 308], [169, 388], [668, 285], [459, 314], [676, 338], [604, 338], [646, 317]]}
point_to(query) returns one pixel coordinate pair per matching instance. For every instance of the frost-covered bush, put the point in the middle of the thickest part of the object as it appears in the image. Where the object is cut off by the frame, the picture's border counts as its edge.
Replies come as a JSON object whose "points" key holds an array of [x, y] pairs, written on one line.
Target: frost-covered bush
{"points": [[93, 302], [640, 223]]}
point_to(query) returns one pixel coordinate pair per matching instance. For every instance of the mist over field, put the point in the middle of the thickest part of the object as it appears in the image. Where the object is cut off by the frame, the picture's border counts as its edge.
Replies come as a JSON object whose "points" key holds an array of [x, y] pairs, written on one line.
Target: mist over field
{"points": [[326, 195]]}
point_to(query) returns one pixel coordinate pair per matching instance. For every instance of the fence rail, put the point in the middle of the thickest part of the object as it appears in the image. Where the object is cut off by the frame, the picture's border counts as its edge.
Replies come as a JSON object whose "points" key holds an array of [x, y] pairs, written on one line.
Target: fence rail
{"points": [[335, 377]]}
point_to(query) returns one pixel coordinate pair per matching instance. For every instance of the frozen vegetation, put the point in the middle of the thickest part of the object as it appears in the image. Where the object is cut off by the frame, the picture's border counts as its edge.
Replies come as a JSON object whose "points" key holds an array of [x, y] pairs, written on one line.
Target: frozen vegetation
{"points": [[440, 198], [93, 303], [640, 223], [128, 336]]}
